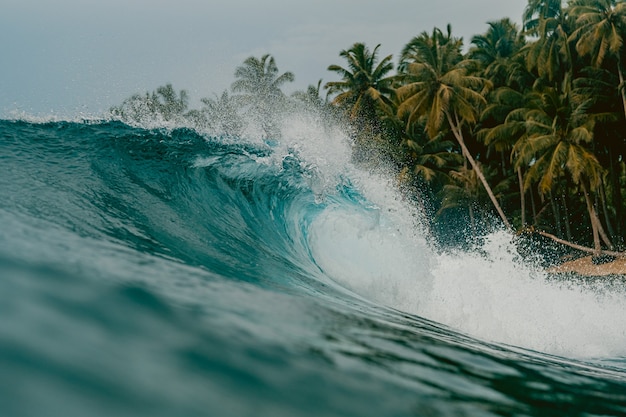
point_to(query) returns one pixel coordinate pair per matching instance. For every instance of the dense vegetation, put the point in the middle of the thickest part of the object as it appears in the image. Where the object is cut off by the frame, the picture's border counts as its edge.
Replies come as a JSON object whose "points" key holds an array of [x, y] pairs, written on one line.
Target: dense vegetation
{"points": [[526, 124]]}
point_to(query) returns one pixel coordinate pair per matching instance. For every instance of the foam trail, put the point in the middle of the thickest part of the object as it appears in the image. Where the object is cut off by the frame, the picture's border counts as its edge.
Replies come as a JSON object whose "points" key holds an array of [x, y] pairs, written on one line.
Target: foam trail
{"points": [[496, 296]]}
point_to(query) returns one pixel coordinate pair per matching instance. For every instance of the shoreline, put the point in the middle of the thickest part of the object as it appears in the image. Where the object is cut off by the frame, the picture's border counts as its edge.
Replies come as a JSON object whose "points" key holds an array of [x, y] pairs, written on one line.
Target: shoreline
{"points": [[584, 266]]}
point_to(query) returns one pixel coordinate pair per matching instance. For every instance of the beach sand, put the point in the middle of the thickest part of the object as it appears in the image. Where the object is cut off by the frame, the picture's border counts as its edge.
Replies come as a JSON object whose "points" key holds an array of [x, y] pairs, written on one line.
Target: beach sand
{"points": [[585, 266]]}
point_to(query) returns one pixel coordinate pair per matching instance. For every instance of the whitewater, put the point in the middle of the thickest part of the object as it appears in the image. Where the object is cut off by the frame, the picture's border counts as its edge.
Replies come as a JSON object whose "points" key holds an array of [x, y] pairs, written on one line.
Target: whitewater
{"points": [[158, 270]]}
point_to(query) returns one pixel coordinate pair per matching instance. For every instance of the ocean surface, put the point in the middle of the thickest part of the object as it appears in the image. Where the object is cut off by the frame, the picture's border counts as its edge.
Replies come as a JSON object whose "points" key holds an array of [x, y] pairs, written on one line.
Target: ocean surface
{"points": [[160, 271]]}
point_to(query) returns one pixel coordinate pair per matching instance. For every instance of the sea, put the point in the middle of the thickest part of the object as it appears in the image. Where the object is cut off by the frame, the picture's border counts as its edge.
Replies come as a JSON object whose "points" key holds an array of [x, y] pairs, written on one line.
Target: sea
{"points": [[161, 270]]}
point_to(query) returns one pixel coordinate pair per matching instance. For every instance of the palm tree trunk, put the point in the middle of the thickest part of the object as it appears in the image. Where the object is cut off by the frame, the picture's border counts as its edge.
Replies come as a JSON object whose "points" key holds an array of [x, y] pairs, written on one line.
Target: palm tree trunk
{"points": [[555, 213], [568, 229], [616, 191], [605, 210], [596, 226], [622, 87], [521, 195], [603, 234], [459, 137], [533, 206], [580, 247]]}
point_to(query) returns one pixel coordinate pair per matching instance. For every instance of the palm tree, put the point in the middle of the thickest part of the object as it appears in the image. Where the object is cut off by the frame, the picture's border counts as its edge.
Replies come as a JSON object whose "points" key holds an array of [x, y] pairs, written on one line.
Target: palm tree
{"points": [[424, 159], [311, 99], [365, 86], [463, 191], [259, 86], [496, 49], [169, 103], [222, 114], [431, 45], [558, 132], [538, 10], [498, 52], [550, 54], [164, 103], [441, 89], [599, 33], [596, 87], [506, 108]]}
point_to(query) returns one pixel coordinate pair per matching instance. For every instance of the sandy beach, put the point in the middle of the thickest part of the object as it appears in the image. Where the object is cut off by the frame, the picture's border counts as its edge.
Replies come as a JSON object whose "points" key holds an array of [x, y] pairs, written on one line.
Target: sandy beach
{"points": [[585, 266]]}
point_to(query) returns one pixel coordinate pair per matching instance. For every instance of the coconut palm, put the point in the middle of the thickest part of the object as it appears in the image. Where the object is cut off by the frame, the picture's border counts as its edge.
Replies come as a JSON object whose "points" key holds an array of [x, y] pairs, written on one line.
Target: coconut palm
{"points": [[550, 55], [556, 142], [464, 190], [222, 114], [433, 45], [365, 87], [506, 109], [496, 49], [258, 85], [538, 10], [169, 103], [596, 87], [259, 79], [311, 96], [427, 160], [599, 33], [443, 91], [312, 99], [164, 103]]}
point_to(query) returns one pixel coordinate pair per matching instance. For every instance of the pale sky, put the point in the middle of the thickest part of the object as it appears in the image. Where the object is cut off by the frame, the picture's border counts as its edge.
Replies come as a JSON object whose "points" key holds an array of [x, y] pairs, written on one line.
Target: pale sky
{"points": [[72, 57]]}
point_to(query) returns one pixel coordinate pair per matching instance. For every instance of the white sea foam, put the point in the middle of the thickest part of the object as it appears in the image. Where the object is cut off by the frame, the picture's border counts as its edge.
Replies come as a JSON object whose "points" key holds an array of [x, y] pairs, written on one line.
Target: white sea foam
{"points": [[498, 297], [488, 293], [382, 253]]}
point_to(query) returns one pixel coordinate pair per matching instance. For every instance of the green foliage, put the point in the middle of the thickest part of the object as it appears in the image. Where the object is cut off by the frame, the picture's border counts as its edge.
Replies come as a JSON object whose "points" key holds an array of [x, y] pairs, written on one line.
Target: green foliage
{"points": [[365, 89], [535, 113], [257, 101], [258, 90]]}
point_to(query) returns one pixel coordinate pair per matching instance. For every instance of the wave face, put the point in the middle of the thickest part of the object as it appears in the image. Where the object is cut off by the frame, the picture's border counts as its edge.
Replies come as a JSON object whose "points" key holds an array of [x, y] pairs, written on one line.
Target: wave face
{"points": [[164, 272]]}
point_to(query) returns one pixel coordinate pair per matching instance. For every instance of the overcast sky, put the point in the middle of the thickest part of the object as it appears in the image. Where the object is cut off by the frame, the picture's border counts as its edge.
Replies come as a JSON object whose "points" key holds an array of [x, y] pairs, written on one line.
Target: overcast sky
{"points": [[68, 57]]}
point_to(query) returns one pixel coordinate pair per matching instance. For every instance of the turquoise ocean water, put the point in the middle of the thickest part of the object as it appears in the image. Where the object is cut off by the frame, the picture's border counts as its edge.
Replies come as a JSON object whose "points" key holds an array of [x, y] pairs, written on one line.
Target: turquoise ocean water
{"points": [[164, 272]]}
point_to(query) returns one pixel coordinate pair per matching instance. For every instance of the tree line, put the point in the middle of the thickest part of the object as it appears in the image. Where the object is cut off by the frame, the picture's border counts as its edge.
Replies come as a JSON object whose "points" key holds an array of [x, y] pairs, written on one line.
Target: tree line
{"points": [[255, 103], [526, 125]]}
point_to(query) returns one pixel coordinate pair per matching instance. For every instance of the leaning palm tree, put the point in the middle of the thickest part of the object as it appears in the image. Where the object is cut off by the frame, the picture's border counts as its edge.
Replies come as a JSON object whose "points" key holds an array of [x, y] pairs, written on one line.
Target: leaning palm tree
{"points": [[600, 32], [446, 94], [365, 87], [258, 85]]}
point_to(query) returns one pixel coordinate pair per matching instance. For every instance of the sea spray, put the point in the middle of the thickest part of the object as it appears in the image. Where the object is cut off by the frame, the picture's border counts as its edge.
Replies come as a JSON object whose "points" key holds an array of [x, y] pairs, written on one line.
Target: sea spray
{"points": [[380, 248]]}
